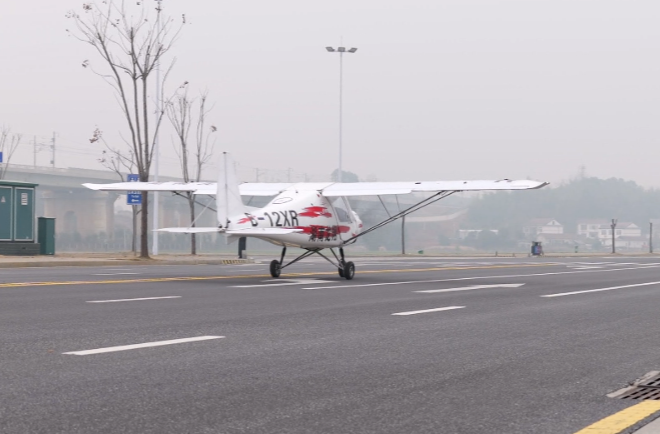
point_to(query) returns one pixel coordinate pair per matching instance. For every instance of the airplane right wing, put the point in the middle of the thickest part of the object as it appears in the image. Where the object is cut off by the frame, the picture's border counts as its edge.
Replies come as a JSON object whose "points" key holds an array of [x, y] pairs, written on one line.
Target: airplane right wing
{"points": [[385, 188]]}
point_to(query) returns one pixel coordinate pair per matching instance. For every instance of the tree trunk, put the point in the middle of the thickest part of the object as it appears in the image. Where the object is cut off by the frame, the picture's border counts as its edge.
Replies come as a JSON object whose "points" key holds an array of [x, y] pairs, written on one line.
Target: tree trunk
{"points": [[193, 238], [144, 230]]}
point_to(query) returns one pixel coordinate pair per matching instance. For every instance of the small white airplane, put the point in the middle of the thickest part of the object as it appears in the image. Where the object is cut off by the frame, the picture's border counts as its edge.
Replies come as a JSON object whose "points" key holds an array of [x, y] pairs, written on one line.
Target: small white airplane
{"points": [[312, 216]]}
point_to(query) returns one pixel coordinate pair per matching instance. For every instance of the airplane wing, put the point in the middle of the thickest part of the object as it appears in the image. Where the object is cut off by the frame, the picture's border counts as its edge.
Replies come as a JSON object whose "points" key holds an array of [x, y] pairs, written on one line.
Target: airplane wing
{"points": [[330, 190], [384, 188], [196, 187], [210, 188]]}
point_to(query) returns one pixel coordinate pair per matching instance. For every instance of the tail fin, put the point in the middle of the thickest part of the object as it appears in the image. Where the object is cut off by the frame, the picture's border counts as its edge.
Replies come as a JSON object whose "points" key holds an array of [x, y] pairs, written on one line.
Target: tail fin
{"points": [[228, 198]]}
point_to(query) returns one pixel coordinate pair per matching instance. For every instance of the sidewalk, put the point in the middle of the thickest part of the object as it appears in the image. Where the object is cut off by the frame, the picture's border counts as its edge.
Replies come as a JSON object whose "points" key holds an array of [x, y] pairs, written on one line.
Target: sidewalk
{"points": [[119, 259]]}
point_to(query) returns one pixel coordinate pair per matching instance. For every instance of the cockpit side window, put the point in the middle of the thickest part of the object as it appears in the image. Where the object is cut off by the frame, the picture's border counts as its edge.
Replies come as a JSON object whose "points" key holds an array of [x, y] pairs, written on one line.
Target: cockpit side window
{"points": [[343, 216]]}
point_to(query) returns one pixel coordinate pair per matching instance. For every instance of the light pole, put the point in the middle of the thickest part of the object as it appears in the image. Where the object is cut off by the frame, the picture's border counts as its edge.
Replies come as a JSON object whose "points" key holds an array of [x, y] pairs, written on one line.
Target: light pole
{"points": [[156, 139], [341, 51]]}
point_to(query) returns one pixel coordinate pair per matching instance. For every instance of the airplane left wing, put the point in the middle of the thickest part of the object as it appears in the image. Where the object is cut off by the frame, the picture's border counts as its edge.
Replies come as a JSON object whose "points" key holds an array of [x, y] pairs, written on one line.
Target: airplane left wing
{"points": [[196, 187]]}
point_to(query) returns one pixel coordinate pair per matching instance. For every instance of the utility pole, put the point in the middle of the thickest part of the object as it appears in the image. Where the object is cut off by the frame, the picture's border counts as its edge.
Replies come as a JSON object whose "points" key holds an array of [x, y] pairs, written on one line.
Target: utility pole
{"points": [[52, 147], [341, 51], [613, 226]]}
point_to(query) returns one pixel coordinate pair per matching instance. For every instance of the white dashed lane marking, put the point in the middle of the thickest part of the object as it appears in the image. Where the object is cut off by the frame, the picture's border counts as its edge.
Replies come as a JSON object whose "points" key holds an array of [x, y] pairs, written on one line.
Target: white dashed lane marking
{"points": [[138, 346], [562, 294], [439, 309], [134, 299], [469, 288]]}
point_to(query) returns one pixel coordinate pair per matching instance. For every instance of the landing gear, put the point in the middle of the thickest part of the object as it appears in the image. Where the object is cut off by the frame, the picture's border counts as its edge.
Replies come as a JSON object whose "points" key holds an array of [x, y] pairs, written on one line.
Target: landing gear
{"points": [[275, 268], [349, 271], [345, 269]]}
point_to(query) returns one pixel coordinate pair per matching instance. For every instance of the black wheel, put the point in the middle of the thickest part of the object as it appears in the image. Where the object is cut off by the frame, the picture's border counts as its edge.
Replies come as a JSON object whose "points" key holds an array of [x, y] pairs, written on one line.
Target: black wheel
{"points": [[349, 270], [275, 268], [341, 271]]}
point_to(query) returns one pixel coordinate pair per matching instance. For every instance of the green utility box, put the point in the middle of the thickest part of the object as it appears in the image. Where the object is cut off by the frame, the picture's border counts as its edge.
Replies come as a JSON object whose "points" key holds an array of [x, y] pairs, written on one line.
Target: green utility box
{"points": [[46, 234], [17, 218]]}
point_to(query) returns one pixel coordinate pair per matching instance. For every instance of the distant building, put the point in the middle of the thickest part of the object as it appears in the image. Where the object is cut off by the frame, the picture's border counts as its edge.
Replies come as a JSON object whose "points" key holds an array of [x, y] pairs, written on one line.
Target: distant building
{"points": [[538, 226], [591, 228], [628, 236], [559, 239], [623, 229]]}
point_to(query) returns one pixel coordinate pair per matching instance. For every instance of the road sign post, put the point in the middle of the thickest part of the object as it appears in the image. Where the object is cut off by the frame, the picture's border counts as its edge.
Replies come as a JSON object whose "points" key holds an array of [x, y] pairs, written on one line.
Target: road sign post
{"points": [[133, 197]]}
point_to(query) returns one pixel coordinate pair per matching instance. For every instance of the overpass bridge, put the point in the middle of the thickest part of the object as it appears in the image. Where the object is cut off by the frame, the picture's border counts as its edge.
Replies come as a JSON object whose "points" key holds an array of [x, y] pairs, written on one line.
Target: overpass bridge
{"points": [[81, 212]]}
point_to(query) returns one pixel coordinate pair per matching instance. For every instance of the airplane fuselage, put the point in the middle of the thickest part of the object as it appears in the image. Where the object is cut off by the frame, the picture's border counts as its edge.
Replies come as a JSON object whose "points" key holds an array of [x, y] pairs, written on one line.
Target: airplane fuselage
{"points": [[322, 222]]}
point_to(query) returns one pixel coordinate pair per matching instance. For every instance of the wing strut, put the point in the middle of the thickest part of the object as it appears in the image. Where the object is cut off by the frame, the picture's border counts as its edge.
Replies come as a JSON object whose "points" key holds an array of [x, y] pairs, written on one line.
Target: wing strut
{"points": [[422, 204]]}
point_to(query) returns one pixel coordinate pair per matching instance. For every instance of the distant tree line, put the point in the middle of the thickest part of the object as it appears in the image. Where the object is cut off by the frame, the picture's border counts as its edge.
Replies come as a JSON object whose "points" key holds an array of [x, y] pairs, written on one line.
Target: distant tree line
{"points": [[583, 198]]}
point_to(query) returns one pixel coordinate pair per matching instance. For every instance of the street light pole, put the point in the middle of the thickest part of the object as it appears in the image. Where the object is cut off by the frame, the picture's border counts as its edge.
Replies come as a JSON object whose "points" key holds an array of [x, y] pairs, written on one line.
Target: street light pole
{"points": [[156, 140], [341, 51]]}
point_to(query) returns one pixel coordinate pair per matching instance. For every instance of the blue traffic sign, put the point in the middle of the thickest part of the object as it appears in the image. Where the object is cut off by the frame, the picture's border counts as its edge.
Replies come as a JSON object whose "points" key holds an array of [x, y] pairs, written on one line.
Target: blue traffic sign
{"points": [[133, 197], [0, 157]]}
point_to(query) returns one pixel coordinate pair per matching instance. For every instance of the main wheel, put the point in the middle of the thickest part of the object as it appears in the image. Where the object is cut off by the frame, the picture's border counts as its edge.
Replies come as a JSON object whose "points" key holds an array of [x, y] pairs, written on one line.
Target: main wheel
{"points": [[275, 268], [349, 270], [341, 271]]}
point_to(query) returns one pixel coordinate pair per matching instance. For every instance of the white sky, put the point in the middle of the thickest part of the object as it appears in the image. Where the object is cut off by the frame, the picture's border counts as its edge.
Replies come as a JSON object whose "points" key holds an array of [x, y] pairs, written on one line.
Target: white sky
{"points": [[438, 89]]}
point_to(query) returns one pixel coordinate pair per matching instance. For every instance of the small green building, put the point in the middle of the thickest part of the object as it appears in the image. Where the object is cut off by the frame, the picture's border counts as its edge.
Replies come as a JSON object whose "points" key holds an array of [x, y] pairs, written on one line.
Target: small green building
{"points": [[17, 218]]}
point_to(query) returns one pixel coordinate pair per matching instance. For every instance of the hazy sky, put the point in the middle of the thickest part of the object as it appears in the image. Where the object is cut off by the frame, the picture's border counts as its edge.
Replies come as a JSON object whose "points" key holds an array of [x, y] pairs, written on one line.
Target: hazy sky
{"points": [[438, 89]]}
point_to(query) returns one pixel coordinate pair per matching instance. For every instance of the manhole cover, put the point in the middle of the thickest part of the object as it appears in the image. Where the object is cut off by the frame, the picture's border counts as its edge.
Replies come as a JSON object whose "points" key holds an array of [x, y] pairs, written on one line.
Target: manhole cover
{"points": [[647, 387]]}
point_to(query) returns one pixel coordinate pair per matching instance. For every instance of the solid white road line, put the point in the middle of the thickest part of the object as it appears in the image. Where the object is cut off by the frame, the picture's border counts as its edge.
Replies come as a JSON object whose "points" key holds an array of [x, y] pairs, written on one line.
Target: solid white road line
{"points": [[113, 274], [469, 288], [133, 299], [145, 345], [510, 276], [415, 312], [561, 294]]}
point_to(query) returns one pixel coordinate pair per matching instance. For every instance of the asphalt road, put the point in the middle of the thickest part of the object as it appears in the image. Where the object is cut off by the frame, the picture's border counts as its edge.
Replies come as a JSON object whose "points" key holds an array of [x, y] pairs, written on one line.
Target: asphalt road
{"points": [[314, 353]]}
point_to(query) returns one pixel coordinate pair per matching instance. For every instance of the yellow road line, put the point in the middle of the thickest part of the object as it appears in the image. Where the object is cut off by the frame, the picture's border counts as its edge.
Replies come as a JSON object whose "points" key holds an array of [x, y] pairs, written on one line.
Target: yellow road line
{"points": [[617, 422], [246, 276]]}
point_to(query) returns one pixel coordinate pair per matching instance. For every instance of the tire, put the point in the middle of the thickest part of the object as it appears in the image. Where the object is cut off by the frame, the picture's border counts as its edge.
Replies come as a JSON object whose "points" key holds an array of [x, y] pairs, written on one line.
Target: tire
{"points": [[275, 268], [341, 271], [349, 271]]}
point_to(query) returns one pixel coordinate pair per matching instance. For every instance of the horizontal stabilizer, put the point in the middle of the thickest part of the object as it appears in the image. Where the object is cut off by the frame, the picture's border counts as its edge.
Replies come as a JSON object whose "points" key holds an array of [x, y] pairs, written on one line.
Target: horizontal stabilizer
{"points": [[190, 230], [262, 232]]}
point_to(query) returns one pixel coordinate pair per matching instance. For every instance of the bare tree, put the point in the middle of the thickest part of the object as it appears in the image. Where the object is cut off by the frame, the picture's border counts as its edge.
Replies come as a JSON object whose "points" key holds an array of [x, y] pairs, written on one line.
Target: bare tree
{"points": [[122, 163], [131, 45], [8, 144], [192, 156]]}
